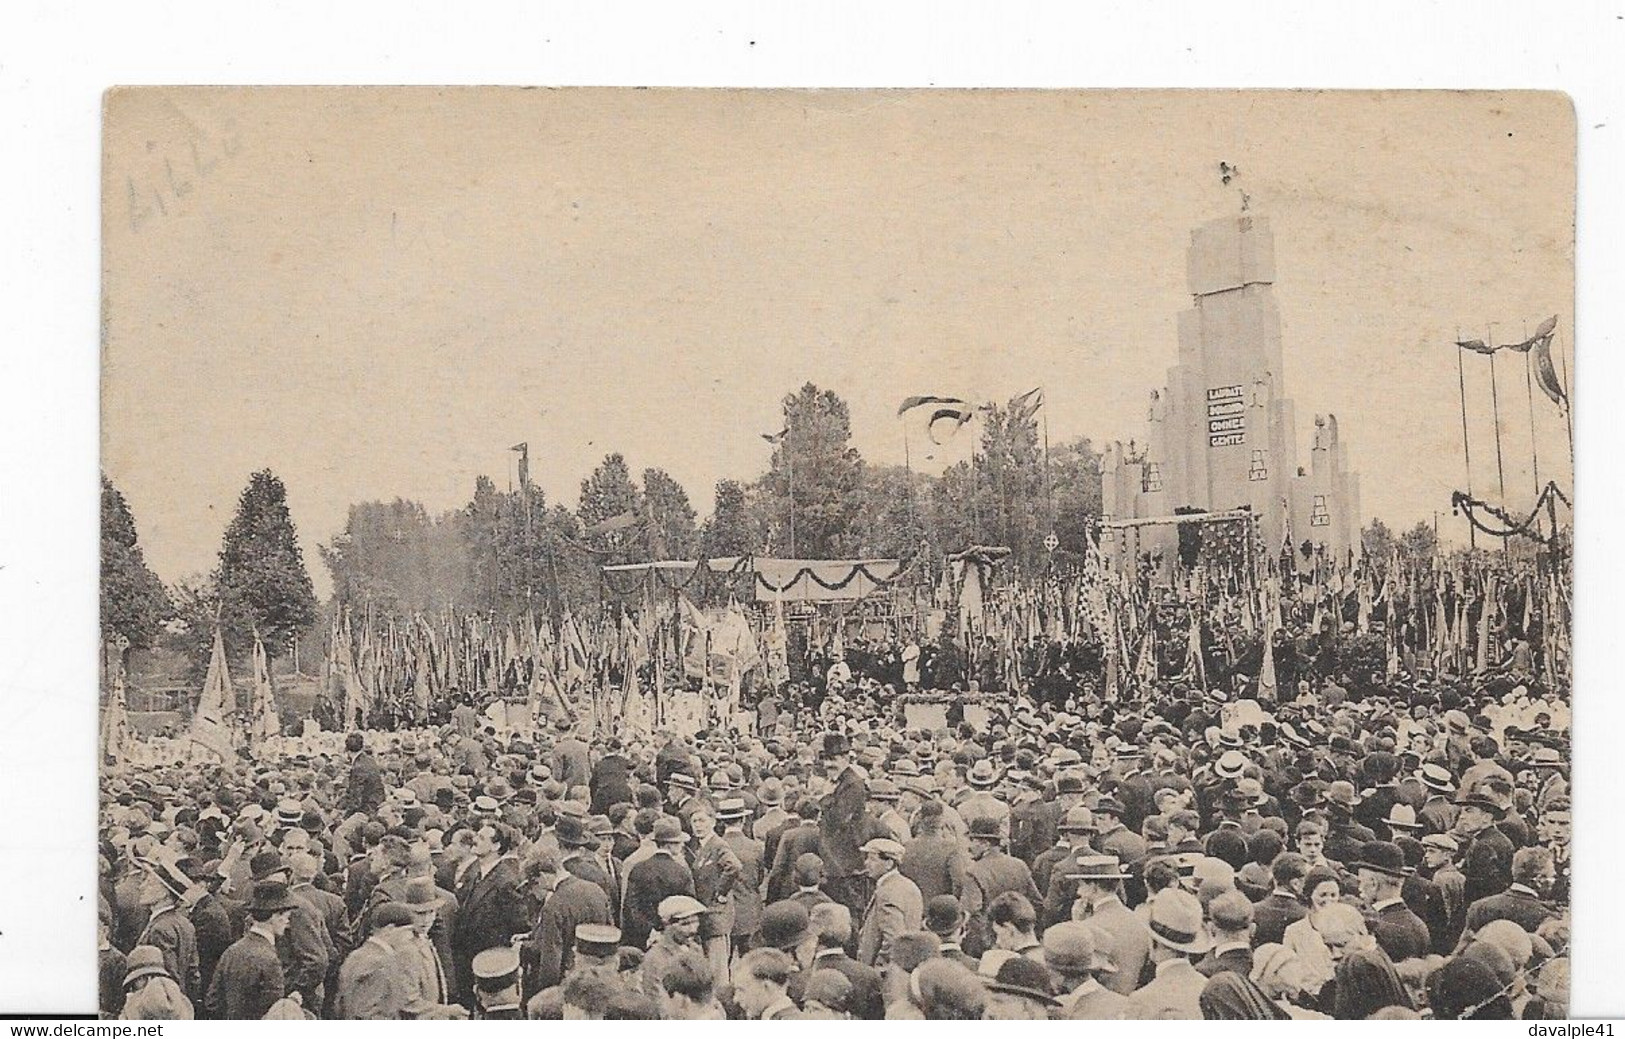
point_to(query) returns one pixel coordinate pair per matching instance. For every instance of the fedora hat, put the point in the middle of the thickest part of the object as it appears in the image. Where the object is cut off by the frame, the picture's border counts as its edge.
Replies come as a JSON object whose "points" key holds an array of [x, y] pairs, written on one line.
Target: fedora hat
{"points": [[1383, 857], [1402, 817], [668, 831], [1341, 793], [265, 864], [1093, 867], [1480, 800], [1071, 947], [1109, 805], [1176, 921], [1020, 976], [986, 828], [682, 779], [982, 774], [144, 961], [271, 896], [572, 833]]}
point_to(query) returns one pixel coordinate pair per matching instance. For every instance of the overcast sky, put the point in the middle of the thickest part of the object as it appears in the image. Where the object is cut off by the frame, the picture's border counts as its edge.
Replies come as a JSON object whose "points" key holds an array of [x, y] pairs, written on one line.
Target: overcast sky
{"points": [[376, 292]]}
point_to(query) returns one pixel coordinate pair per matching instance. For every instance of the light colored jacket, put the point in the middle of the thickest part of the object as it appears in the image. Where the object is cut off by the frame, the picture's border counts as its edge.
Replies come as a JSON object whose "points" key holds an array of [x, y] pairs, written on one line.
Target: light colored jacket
{"points": [[895, 909]]}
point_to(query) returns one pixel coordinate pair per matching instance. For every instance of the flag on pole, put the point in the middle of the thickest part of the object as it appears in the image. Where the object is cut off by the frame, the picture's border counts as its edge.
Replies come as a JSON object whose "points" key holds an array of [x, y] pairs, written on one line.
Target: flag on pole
{"points": [[209, 728], [263, 723]]}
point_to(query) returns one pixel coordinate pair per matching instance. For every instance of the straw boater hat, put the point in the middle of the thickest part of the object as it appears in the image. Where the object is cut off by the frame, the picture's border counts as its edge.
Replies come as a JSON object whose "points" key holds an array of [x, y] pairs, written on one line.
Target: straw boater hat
{"points": [[1402, 817], [1093, 867], [1436, 778], [1231, 764]]}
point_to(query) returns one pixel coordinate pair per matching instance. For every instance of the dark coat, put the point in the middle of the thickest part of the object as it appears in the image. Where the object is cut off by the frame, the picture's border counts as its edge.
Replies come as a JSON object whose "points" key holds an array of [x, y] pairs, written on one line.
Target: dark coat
{"points": [[364, 791], [792, 844], [1520, 906], [211, 925], [611, 783], [868, 1002], [936, 864], [491, 911], [549, 952], [651, 880], [1400, 932], [247, 980], [1487, 864], [174, 935], [1237, 961], [1273, 915]]}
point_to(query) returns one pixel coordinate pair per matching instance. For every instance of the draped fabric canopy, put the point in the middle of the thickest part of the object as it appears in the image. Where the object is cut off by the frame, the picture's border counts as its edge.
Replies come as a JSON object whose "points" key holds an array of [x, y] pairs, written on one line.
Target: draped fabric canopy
{"points": [[775, 580]]}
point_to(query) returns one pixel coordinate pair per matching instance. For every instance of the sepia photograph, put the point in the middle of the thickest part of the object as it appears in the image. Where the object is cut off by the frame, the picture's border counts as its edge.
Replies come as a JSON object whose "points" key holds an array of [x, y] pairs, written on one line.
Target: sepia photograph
{"points": [[599, 553]]}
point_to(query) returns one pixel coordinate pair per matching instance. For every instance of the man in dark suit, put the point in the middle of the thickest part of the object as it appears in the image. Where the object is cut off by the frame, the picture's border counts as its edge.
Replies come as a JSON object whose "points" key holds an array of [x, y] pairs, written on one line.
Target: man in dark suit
{"points": [[1399, 932], [657, 877], [168, 929], [1486, 858], [1283, 906], [491, 907], [934, 861], [248, 978], [548, 952], [832, 922], [1533, 874], [991, 873], [799, 839], [364, 791], [1230, 922]]}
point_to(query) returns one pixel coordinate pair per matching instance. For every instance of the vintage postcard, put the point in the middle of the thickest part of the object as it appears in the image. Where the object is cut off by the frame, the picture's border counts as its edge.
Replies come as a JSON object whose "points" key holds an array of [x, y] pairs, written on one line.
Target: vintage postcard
{"points": [[898, 554]]}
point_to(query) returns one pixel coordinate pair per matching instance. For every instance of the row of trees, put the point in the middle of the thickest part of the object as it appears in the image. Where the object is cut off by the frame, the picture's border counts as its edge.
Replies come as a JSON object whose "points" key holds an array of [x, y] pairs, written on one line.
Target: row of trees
{"points": [[259, 585]]}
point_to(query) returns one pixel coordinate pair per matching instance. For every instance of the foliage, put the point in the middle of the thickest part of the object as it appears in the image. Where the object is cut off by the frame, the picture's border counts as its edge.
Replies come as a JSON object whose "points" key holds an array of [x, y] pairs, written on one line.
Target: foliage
{"points": [[669, 517], [607, 494], [731, 529], [261, 583], [393, 557], [813, 485], [133, 601]]}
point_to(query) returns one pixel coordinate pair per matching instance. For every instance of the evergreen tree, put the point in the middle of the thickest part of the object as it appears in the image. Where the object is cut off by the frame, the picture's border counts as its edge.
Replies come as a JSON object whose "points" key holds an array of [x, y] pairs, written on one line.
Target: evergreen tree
{"points": [[731, 529], [815, 483], [133, 601], [610, 494], [669, 516], [261, 582]]}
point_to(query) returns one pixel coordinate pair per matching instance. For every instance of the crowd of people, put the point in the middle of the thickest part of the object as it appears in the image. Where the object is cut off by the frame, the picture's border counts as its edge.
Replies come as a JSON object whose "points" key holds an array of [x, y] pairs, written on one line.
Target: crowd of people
{"points": [[1339, 853]]}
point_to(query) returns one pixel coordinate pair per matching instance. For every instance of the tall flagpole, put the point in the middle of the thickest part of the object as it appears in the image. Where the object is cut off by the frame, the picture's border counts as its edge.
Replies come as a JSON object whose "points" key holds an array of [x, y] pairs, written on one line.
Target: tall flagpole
{"points": [[1534, 445], [1466, 450], [790, 457], [1049, 487], [1495, 400]]}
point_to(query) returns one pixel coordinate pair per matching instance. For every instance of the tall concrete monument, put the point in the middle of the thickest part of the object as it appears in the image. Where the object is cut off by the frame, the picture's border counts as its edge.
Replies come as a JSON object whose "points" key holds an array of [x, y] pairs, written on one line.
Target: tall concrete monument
{"points": [[1220, 435]]}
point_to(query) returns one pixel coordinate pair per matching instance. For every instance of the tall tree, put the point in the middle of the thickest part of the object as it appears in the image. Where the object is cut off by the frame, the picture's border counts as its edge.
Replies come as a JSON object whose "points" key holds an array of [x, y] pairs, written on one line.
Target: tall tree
{"points": [[261, 581], [731, 529], [610, 495], [892, 523], [669, 516], [394, 558], [134, 603], [1420, 542], [1377, 542], [814, 485], [1075, 475], [1011, 482]]}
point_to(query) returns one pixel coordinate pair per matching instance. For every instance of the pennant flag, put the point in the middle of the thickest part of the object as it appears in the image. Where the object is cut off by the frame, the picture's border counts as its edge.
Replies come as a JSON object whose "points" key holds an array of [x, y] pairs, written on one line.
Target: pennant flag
{"points": [[776, 438], [209, 725], [1026, 405], [612, 523], [1546, 375], [910, 403], [949, 419]]}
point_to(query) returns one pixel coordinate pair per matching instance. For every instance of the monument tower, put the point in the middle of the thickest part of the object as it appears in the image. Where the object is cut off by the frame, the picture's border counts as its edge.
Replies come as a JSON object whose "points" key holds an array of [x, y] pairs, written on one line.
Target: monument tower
{"points": [[1220, 434]]}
